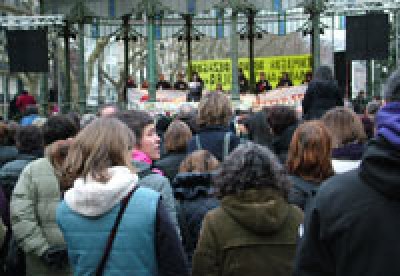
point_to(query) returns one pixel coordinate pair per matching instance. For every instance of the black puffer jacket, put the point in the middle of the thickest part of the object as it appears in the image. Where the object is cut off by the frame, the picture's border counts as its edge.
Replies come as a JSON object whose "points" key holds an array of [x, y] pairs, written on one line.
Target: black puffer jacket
{"points": [[353, 227], [170, 163], [281, 143], [320, 97], [195, 197]]}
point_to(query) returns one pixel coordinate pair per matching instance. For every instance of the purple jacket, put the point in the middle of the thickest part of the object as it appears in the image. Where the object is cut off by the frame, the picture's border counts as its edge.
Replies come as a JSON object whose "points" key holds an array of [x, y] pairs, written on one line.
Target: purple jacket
{"points": [[387, 123]]}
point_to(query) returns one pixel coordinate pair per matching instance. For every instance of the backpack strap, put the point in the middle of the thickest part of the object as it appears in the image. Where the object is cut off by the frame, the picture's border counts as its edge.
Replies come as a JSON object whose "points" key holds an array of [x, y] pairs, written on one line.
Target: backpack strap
{"points": [[101, 266], [227, 141], [198, 144]]}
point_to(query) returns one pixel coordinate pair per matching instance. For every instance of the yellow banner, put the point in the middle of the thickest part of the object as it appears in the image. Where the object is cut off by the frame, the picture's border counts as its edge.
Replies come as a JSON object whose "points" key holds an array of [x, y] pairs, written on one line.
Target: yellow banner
{"points": [[219, 71]]}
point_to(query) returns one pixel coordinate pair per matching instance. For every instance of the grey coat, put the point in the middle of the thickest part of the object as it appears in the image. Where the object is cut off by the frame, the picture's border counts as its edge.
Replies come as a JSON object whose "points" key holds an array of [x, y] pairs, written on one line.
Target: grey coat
{"points": [[159, 184]]}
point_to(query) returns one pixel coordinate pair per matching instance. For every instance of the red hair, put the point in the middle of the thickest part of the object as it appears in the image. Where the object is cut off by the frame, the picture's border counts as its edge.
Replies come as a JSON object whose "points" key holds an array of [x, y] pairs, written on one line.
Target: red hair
{"points": [[310, 152]]}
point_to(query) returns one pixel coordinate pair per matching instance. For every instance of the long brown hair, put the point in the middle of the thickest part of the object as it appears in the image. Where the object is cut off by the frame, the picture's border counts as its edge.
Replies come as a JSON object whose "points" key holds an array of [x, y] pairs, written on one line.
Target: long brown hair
{"points": [[104, 143], [214, 109], [345, 126], [199, 161], [57, 153], [310, 152], [177, 136]]}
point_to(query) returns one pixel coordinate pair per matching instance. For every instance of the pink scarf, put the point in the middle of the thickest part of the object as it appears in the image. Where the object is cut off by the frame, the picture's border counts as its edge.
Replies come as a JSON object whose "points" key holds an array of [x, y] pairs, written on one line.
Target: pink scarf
{"points": [[140, 156]]}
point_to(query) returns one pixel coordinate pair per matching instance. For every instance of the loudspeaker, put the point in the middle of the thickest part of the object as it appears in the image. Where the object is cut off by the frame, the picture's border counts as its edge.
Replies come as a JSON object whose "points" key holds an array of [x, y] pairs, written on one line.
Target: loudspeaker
{"points": [[367, 37], [27, 50]]}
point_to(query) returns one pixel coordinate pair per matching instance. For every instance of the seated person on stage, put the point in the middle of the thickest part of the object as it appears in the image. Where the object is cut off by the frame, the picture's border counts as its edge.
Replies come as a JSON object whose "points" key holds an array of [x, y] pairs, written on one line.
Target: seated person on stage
{"points": [[162, 83], [285, 80], [145, 84], [243, 82], [219, 87], [307, 78], [263, 84], [180, 84]]}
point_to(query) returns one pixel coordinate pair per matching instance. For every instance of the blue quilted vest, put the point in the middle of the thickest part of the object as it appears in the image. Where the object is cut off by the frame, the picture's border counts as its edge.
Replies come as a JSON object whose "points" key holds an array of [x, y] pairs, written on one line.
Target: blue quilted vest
{"points": [[133, 251]]}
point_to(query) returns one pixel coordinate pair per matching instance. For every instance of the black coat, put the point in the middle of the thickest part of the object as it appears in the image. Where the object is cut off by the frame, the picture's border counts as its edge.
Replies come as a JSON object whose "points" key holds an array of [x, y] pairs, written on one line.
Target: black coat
{"points": [[212, 139], [353, 226], [263, 85], [171, 259], [170, 163], [195, 197], [281, 143], [163, 84], [320, 97], [180, 85]]}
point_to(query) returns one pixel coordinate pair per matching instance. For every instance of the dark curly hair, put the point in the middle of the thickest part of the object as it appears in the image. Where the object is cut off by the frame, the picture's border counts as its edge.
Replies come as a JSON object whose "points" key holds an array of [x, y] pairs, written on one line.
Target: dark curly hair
{"points": [[280, 117], [29, 139], [59, 127], [251, 166]]}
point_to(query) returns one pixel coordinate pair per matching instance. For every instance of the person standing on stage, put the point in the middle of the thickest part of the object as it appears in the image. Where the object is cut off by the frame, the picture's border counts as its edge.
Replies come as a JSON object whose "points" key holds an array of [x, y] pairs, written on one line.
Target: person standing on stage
{"points": [[180, 84], [243, 82], [263, 84], [285, 80], [196, 86], [162, 84]]}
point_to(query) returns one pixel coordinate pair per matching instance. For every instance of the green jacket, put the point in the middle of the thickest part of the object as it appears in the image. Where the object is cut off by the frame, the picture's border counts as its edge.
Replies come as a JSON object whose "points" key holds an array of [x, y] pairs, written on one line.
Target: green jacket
{"points": [[33, 210], [252, 234]]}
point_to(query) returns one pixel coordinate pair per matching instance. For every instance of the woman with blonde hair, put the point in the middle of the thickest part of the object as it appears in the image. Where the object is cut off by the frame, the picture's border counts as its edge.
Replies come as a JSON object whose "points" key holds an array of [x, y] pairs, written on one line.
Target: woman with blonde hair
{"points": [[213, 118], [309, 161], [194, 193], [348, 138], [110, 225]]}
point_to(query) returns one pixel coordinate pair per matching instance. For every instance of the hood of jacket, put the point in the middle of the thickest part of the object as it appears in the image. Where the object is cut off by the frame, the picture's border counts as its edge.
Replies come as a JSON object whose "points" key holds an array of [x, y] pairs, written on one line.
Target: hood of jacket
{"points": [[324, 88], [193, 185], [91, 198], [380, 168], [388, 123], [261, 211]]}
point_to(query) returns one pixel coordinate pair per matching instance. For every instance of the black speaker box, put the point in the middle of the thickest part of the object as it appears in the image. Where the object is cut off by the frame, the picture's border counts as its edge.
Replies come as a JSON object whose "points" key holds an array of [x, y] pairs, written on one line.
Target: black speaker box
{"points": [[367, 37], [27, 50]]}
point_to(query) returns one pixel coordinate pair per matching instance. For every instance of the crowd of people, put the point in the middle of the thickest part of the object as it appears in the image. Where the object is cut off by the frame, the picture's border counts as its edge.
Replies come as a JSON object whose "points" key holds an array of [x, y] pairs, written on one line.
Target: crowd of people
{"points": [[195, 84], [205, 191]]}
